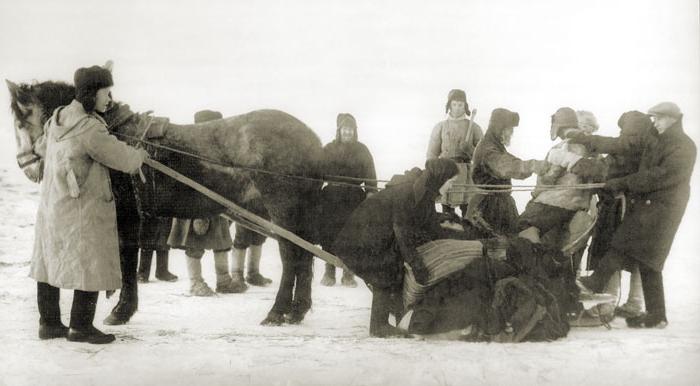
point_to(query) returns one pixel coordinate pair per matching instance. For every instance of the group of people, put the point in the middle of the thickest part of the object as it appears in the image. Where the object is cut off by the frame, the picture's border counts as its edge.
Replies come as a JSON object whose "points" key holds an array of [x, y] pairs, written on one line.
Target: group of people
{"points": [[388, 237]]}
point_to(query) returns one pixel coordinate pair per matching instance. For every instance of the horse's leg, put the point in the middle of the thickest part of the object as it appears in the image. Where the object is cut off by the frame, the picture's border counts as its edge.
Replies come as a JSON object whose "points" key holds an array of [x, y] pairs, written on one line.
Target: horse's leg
{"points": [[301, 304], [127, 228], [283, 301]]}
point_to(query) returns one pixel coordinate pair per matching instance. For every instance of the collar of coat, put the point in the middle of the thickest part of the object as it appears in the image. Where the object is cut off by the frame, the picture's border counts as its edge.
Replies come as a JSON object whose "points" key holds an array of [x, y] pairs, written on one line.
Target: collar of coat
{"points": [[73, 122], [459, 118]]}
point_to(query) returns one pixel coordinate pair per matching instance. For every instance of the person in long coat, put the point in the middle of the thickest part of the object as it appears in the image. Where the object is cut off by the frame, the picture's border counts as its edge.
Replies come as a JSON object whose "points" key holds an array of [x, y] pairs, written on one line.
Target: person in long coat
{"points": [[494, 165], [76, 244], [659, 193], [344, 157], [384, 232]]}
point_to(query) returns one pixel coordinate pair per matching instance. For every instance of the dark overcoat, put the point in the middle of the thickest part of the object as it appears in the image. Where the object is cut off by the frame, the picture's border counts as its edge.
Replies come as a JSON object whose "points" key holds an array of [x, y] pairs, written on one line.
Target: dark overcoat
{"points": [[658, 192], [338, 201]]}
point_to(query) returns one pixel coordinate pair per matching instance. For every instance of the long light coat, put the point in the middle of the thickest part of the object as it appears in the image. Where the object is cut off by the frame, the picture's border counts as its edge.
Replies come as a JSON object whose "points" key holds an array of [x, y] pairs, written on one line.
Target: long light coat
{"points": [[76, 244]]}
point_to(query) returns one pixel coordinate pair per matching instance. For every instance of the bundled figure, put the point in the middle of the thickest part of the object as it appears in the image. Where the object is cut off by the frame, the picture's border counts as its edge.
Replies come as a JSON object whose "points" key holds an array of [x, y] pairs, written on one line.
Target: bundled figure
{"points": [[658, 195], [384, 232], [76, 245], [455, 138], [494, 165], [153, 237], [553, 209], [197, 235], [349, 166], [251, 241]]}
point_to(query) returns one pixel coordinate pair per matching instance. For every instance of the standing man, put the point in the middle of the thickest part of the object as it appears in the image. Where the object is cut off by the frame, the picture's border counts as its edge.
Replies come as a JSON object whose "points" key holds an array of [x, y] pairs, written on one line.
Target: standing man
{"points": [[659, 193], [349, 166], [455, 137]]}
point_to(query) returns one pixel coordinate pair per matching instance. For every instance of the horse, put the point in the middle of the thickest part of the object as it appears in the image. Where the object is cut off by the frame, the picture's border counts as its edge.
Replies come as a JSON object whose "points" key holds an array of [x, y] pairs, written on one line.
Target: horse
{"points": [[266, 154]]}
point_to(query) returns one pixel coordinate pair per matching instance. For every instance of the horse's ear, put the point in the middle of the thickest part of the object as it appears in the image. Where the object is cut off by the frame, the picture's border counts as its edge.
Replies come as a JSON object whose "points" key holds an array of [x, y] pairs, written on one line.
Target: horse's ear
{"points": [[108, 65], [13, 87]]}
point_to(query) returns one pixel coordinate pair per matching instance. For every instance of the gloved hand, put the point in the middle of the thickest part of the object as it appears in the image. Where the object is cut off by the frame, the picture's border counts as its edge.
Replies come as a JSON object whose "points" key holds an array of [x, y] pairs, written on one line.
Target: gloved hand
{"points": [[615, 185], [539, 167], [576, 136], [143, 154]]}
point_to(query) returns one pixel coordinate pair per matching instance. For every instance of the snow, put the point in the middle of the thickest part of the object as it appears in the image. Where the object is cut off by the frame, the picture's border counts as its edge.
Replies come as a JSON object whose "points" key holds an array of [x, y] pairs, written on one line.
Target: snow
{"points": [[177, 339]]}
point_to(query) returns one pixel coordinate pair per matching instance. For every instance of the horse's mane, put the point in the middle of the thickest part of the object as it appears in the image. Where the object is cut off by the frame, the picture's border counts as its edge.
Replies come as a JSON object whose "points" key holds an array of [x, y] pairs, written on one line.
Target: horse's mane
{"points": [[49, 94]]}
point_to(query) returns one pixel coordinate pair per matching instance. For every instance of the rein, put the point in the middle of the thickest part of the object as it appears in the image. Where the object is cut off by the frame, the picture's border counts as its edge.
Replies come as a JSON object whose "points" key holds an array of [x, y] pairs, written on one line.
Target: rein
{"points": [[474, 188]]}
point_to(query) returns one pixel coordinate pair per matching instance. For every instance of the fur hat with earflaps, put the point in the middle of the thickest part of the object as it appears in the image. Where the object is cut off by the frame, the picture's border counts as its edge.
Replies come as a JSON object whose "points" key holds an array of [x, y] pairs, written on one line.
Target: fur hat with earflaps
{"points": [[345, 120], [207, 115], [564, 118], [457, 95], [87, 81]]}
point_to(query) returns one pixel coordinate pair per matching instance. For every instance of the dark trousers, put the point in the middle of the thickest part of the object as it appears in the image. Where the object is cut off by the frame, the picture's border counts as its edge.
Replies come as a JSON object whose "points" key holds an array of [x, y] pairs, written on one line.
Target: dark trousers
{"points": [[652, 281], [82, 311]]}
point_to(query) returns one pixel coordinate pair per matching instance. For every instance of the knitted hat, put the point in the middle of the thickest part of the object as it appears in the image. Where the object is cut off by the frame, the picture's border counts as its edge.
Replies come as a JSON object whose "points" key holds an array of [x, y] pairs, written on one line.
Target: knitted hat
{"points": [[457, 95], [206, 115], [501, 119], [587, 121], [634, 123], [87, 81], [669, 109], [564, 118]]}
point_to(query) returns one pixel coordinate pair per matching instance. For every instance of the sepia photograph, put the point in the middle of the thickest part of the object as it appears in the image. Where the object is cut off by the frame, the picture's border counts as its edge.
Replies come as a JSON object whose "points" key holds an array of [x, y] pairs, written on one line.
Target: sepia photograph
{"points": [[327, 192]]}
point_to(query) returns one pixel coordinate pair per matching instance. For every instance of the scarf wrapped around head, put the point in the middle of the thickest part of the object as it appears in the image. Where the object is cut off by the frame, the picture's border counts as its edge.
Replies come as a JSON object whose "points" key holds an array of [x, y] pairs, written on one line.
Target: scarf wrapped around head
{"points": [[437, 172]]}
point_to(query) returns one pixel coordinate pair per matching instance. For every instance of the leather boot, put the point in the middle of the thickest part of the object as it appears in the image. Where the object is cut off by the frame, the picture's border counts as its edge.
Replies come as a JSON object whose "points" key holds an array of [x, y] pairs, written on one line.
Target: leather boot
{"points": [[82, 315], [50, 325], [162, 272], [144, 271]]}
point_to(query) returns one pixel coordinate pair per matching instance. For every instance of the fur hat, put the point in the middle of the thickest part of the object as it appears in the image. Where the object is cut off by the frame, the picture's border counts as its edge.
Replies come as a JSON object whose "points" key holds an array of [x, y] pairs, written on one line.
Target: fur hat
{"points": [[345, 119], [87, 81], [587, 122], [457, 95], [206, 115], [634, 123], [502, 118], [564, 118], [669, 109]]}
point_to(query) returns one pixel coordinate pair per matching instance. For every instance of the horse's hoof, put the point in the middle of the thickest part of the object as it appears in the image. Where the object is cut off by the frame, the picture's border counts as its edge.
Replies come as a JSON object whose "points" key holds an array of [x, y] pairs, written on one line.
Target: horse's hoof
{"points": [[116, 319], [273, 319], [293, 317], [120, 314]]}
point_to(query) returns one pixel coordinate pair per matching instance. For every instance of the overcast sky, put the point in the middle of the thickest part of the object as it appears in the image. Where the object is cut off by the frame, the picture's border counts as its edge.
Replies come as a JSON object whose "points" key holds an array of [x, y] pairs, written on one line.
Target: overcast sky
{"points": [[390, 64]]}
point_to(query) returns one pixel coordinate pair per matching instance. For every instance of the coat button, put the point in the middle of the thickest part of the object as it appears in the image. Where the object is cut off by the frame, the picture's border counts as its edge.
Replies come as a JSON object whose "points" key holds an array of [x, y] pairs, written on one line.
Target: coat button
{"points": [[632, 201], [648, 202]]}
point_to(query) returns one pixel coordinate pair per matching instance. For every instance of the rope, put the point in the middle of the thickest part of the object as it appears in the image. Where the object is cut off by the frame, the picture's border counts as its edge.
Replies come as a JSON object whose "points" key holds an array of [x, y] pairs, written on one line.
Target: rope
{"points": [[471, 188]]}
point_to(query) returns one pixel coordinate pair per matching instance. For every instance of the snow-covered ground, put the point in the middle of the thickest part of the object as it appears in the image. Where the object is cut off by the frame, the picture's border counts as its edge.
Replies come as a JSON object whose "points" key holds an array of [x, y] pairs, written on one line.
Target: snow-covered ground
{"points": [[176, 339]]}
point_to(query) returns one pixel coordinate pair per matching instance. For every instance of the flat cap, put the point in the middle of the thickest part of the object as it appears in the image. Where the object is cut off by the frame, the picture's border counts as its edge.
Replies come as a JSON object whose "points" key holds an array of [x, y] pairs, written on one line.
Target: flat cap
{"points": [[666, 108]]}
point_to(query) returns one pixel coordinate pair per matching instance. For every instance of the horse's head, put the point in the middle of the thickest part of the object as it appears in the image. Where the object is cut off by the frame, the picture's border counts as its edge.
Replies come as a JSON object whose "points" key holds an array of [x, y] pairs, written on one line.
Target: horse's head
{"points": [[32, 104]]}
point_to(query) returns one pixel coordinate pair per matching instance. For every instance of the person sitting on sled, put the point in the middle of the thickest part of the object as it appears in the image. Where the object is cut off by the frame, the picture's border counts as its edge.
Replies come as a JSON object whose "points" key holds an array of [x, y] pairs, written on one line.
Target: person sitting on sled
{"points": [[552, 209]]}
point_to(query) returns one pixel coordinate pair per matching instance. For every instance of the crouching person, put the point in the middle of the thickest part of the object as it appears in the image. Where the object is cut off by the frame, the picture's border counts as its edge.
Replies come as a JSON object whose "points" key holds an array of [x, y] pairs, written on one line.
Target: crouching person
{"points": [[385, 231], [76, 245]]}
